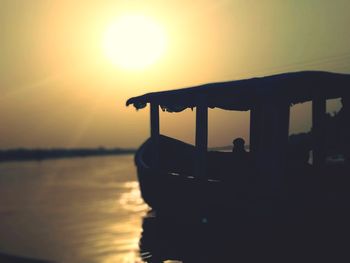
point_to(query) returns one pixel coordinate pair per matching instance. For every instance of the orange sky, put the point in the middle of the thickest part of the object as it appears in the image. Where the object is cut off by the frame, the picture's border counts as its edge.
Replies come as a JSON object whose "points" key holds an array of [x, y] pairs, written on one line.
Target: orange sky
{"points": [[59, 89]]}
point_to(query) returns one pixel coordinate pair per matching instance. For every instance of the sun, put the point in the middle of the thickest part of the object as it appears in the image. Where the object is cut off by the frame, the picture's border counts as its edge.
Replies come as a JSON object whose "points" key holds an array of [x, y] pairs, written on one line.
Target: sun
{"points": [[134, 42]]}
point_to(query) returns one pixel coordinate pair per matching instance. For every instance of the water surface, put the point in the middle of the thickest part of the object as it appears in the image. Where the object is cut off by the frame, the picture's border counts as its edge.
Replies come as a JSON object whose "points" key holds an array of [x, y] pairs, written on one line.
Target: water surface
{"points": [[71, 210]]}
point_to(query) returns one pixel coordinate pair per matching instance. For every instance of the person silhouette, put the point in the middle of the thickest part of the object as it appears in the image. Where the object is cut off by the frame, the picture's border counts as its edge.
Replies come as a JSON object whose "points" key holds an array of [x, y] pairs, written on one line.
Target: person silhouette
{"points": [[241, 180], [239, 154], [238, 147]]}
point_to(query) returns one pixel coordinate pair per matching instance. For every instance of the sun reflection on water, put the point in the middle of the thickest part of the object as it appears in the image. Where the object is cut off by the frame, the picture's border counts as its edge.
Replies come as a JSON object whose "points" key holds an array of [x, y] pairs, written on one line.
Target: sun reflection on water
{"points": [[128, 231], [131, 199], [125, 258]]}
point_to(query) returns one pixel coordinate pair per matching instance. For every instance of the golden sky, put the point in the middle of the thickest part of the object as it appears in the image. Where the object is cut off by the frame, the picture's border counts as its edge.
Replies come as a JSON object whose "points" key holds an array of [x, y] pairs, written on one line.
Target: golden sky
{"points": [[60, 87]]}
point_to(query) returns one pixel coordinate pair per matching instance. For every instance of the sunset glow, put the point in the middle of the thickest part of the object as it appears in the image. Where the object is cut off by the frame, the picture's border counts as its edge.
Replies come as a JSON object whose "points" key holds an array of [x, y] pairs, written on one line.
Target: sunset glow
{"points": [[68, 67], [134, 42]]}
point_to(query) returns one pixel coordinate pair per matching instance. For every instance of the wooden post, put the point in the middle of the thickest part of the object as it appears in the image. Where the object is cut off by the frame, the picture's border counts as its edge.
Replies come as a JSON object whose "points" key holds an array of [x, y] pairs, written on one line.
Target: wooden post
{"points": [[154, 112], [272, 156], [201, 138], [255, 129], [318, 130], [282, 136]]}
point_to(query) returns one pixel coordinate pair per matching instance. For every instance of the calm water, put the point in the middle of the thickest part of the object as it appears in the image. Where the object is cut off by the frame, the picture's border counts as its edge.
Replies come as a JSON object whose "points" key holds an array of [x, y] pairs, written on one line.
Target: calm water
{"points": [[71, 210]]}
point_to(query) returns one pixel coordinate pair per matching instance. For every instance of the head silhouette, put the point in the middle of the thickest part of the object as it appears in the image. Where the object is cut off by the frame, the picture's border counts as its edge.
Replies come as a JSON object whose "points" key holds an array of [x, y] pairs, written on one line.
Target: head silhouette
{"points": [[238, 144]]}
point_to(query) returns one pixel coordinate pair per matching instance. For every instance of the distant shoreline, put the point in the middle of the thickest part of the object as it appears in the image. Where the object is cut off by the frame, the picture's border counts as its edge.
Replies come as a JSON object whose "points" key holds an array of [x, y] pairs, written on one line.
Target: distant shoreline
{"points": [[44, 154]]}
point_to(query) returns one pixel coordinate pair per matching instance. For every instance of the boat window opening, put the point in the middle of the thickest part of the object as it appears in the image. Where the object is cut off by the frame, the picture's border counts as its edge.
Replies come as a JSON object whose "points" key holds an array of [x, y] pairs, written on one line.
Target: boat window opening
{"points": [[300, 123], [300, 130], [180, 126], [333, 106], [300, 120], [224, 126]]}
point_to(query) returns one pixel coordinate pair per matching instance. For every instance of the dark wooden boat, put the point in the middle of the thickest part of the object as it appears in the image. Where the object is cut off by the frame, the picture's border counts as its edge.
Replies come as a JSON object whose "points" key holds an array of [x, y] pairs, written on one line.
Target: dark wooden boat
{"points": [[175, 176]]}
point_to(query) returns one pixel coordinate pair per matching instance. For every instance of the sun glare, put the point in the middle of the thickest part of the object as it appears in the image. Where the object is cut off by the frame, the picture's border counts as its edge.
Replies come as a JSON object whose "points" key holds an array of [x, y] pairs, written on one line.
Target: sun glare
{"points": [[134, 42]]}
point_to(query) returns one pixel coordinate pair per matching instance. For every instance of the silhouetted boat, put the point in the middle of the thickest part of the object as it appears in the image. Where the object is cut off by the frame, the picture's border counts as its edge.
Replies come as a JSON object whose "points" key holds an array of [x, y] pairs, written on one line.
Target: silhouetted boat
{"points": [[175, 176]]}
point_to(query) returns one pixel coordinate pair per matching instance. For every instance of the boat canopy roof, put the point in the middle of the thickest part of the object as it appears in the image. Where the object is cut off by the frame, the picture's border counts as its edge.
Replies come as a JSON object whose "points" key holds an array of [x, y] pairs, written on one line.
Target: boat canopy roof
{"points": [[242, 95]]}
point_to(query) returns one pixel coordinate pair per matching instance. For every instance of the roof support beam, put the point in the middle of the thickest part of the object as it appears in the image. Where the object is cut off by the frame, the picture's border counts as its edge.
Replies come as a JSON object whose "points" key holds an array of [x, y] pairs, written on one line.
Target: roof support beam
{"points": [[154, 114], [318, 130], [201, 138], [256, 118], [272, 153]]}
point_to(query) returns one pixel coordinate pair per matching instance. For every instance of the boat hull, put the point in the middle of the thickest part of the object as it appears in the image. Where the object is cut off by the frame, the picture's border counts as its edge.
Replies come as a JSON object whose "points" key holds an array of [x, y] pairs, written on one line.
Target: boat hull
{"points": [[178, 190], [172, 188]]}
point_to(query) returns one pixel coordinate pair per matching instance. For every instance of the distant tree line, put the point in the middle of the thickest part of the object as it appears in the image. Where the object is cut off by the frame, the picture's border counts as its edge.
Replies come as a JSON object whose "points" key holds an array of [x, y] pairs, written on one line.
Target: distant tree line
{"points": [[41, 154]]}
